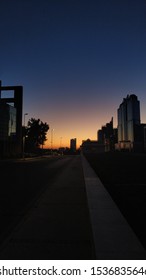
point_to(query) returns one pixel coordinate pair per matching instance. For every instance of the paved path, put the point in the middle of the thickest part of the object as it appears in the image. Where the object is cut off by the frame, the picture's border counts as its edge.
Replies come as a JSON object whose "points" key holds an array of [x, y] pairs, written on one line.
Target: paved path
{"points": [[75, 218], [113, 237]]}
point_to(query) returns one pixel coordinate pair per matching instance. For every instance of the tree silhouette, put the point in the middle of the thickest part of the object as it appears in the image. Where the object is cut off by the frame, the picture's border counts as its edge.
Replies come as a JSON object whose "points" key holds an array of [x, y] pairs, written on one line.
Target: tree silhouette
{"points": [[36, 132]]}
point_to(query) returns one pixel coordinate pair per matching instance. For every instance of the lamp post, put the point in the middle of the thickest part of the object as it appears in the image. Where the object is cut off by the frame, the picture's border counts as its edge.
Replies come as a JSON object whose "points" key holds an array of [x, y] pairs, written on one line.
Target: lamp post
{"points": [[24, 118], [52, 130], [24, 137], [61, 148]]}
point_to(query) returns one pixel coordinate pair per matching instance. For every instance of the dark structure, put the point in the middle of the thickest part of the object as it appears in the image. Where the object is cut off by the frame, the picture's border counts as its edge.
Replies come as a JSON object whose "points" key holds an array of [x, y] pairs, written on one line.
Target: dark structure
{"points": [[92, 146], [107, 136], [131, 133], [11, 121], [73, 144]]}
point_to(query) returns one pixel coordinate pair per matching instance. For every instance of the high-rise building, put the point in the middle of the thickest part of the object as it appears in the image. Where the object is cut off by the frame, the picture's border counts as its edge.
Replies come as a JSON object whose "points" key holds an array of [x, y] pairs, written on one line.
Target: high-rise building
{"points": [[73, 143], [129, 122], [128, 118]]}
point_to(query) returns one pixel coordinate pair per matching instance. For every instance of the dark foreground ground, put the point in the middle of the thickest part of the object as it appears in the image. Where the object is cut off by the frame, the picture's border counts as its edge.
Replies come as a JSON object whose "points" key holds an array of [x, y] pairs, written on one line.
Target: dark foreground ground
{"points": [[124, 176], [44, 212]]}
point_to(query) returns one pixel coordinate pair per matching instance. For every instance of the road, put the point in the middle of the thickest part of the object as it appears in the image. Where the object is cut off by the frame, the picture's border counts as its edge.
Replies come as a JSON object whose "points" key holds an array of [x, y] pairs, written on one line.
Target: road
{"points": [[57, 208], [43, 210]]}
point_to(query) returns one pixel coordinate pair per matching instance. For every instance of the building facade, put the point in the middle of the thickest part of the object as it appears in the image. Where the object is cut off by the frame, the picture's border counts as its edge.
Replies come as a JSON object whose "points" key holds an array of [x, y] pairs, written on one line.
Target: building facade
{"points": [[73, 145], [107, 136], [7, 121], [128, 118], [11, 121], [129, 124], [92, 146]]}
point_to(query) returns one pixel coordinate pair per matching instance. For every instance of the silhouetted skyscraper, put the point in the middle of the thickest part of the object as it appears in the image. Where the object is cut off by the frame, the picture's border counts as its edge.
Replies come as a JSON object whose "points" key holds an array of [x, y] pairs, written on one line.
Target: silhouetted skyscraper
{"points": [[128, 118], [107, 135], [129, 124], [73, 143]]}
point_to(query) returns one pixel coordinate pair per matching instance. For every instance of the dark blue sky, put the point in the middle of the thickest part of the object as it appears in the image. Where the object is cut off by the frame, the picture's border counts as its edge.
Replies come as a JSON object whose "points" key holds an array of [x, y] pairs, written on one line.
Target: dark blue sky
{"points": [[76, 60]]}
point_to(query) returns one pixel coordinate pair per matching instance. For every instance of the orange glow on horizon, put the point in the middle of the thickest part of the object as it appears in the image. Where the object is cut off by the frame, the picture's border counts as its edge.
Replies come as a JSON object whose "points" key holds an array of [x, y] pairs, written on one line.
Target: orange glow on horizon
{"points": [[77, 120], [64, 140]]}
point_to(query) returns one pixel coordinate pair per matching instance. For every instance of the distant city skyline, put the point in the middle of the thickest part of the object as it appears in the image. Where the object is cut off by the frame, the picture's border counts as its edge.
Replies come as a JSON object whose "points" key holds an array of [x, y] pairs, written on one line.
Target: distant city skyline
{"points": [[76, 61]]}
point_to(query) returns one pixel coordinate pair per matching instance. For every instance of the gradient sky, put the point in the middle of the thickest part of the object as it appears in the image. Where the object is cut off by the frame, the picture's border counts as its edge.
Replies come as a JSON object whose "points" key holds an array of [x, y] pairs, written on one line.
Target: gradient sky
{"points": [[76, 61]]}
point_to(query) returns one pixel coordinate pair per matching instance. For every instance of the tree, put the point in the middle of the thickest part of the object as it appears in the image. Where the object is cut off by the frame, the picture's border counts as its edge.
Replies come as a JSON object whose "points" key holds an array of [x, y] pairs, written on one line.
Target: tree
{"points": [[36, 132]]}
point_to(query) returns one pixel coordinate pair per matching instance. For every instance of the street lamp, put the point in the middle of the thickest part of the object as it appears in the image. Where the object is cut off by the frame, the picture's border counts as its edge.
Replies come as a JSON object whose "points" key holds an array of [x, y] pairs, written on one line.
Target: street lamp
{"points": [[24, 118], [52, 130], [24, 137]]}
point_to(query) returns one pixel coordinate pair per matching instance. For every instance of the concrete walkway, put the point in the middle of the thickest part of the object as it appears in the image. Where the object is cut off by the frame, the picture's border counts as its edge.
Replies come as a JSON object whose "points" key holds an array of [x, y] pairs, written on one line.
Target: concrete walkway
{"points": [[113, 237]]}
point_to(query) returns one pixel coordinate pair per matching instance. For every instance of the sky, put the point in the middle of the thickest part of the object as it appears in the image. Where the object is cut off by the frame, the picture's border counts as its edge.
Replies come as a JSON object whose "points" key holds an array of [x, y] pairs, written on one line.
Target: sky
{"points": [[76, 61]]}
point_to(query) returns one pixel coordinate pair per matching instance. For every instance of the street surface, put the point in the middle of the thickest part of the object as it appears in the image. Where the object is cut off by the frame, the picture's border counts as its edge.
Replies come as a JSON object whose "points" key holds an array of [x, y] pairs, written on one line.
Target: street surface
{"points": [[50, 194], [57, 208]]}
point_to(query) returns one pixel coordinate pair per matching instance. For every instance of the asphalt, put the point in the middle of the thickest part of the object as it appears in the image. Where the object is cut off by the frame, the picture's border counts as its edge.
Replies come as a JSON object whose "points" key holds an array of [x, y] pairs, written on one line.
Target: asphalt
{"points": [[75, 218], [57, 226]]}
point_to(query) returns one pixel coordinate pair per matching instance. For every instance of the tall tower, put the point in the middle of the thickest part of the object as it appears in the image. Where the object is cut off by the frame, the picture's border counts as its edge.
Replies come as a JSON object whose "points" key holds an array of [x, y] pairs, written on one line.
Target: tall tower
{"points": [[73, 143], [129, 119]]}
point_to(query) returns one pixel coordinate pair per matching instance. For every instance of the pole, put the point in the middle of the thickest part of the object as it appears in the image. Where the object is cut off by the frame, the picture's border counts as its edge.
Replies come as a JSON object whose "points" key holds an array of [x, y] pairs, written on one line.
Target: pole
{"points": [[24, 137], [52, 130]]}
